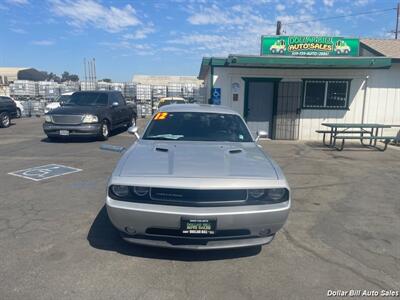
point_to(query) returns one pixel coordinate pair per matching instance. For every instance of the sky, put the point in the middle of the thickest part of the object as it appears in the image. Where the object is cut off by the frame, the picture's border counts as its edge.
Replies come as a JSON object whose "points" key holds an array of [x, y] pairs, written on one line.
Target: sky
{"points": [[167, 37]]}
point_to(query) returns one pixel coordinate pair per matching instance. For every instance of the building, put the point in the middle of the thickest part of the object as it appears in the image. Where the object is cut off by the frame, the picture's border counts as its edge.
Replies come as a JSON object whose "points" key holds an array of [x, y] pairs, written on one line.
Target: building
{"points": [[9, 74], [166, 80], [298, 82]]}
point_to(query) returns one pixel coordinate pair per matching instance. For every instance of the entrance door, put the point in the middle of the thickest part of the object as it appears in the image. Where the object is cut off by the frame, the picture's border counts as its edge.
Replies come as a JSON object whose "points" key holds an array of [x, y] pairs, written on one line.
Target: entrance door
{"points": [[260, 106], [287, 111]]}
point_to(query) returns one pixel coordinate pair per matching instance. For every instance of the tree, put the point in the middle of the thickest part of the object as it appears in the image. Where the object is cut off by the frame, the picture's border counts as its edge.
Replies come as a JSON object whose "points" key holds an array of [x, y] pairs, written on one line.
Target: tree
{"points": [[106, 80], [65, 76]]}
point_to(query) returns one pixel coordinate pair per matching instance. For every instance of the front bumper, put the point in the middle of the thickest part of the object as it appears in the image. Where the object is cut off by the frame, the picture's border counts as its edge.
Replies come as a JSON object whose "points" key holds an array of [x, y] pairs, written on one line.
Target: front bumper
{"points": [[159, 225], [53, 130]]}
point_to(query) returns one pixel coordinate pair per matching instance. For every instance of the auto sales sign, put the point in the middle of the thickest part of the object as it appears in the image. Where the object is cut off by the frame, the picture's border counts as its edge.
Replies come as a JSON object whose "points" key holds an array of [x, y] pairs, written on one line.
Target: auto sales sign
{"points": [[309, 46]]}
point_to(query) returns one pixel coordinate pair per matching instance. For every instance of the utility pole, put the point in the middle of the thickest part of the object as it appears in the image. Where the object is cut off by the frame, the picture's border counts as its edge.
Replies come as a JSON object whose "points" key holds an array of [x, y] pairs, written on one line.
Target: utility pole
{"points": [[397, 21], [279, 26]]}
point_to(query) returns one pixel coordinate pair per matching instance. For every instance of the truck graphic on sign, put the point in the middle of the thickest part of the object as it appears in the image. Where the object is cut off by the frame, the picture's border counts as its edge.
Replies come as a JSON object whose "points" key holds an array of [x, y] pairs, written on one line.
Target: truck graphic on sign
{"points": [[342, 48], [278, 47]]}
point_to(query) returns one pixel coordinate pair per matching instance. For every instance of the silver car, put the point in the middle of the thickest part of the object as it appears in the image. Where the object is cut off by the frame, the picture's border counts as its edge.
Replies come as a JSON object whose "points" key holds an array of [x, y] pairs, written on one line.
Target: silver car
{"points": [[197, 180]]}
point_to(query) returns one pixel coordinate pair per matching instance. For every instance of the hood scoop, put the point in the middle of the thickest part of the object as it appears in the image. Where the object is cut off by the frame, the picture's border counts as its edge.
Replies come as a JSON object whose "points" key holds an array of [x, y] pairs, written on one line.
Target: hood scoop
{"points": [[235, 151], [161, 149]]}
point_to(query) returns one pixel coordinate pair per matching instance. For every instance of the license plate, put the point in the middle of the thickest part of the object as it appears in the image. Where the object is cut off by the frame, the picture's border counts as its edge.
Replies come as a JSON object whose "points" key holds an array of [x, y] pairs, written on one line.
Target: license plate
{"points": [[64, 132], [198, 227]]}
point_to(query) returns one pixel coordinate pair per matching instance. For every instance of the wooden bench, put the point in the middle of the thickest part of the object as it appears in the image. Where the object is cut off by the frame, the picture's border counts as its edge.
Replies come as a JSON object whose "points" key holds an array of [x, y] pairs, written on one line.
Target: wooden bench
{"points": [[385, 139]]}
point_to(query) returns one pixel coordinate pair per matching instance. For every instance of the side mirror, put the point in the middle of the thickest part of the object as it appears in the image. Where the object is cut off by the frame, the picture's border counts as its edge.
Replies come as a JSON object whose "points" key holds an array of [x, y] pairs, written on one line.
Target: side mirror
{"points": [[134, 130], [261, 134], [114, 104]]}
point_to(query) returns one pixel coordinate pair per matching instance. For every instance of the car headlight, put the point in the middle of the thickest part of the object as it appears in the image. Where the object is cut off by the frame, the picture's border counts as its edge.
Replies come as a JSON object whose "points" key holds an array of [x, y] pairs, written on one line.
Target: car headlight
{"points": [[90, 119], [141, 191], [48, 119], [120, 190], [269, 195], [277, 194], [256, 193]]}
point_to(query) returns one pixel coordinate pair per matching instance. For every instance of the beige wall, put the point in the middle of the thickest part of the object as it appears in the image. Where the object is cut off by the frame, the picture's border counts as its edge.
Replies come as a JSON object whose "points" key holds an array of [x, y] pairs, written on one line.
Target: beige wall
{"points": [[382, 98]]}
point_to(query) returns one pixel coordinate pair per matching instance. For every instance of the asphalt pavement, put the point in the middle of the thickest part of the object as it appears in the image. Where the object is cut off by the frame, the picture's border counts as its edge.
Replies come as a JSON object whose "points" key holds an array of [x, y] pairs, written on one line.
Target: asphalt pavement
{"points": [[56, 242]]}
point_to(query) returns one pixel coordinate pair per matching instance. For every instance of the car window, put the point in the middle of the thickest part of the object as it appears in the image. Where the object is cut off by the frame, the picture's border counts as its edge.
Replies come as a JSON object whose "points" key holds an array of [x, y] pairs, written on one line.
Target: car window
{"points": [[5, 100], [64, 98], [88, 99], [197, 126], [120, 99]]}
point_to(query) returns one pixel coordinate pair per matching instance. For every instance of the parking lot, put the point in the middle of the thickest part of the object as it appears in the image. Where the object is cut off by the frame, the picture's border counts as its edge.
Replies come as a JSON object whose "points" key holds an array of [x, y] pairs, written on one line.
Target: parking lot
{"points": [[56, 242]]}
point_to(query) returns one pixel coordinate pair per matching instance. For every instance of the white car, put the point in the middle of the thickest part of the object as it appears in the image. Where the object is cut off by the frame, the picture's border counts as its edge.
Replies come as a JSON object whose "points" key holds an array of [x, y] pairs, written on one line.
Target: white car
{"points": [[62, 98], [20, 108]]}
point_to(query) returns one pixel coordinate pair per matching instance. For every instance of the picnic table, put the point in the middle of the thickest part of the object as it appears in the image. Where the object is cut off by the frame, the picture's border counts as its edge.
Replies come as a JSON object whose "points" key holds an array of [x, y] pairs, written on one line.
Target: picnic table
{"points": [[356, 131]]}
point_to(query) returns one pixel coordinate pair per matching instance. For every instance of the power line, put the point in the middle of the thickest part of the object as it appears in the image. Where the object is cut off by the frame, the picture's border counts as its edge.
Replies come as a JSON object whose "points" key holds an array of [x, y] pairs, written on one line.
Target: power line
{"points": [[341, 16]]}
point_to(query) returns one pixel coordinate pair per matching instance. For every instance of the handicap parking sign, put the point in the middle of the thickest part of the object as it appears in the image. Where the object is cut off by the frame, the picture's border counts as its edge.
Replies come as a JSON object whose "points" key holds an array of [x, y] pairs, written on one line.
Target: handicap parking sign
{"points": [[216, 96], [44, 172]]}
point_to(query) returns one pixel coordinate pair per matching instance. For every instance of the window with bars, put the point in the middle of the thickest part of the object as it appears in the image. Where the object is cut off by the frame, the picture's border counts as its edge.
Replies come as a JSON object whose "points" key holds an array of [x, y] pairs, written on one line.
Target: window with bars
{"points": [[330, 94]]}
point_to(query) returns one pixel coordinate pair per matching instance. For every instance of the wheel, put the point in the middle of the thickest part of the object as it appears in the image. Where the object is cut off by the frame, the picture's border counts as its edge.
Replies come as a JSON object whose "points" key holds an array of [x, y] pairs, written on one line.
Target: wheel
{"points": [[19, 114], [104, 131], [346, 51], [4, 120]]}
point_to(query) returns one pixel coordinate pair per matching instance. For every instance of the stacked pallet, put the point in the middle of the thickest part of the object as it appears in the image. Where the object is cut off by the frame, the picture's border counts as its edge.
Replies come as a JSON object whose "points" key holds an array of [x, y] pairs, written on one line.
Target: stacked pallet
{"points": [[130, 90], [103, 86], [143, 92], [48, 89], [24, 88]]}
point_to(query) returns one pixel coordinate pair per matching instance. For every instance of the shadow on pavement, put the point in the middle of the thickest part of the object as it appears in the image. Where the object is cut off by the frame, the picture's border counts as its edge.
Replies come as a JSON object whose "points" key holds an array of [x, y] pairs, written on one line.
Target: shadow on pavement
{"points": [[102, 235]]}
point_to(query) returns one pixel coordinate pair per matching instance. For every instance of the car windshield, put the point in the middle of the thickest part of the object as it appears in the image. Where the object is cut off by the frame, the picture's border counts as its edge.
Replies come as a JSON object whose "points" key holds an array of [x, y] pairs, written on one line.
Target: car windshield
{"points": [[63, 98], [197, 126], [88, 99]]}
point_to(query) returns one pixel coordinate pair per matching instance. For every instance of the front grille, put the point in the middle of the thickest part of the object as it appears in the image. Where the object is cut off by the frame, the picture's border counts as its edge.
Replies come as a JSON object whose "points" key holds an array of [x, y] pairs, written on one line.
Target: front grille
{"points": [[67, 119], [197, 196]]}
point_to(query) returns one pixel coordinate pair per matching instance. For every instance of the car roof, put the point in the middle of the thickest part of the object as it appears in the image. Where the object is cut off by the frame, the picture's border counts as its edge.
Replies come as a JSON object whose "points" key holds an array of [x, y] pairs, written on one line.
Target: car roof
{"points": [[206, 108], [102, 92]]}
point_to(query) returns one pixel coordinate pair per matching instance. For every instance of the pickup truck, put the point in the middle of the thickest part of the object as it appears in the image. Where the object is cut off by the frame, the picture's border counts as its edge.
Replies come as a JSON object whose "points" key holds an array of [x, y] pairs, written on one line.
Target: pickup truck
{"points": [[90, 114], [8, 110]]}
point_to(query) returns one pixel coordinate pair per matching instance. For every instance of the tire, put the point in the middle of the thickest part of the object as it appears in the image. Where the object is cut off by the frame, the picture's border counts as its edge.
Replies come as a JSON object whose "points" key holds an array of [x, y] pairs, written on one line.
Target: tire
{"points": [[5, 120], [104, 131], [19, 114]]}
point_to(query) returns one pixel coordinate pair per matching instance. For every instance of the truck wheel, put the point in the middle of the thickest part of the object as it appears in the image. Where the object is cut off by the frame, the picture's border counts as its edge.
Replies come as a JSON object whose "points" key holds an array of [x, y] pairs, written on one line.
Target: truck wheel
{"points": [[104, 131], [19, 114], [4, 120]]}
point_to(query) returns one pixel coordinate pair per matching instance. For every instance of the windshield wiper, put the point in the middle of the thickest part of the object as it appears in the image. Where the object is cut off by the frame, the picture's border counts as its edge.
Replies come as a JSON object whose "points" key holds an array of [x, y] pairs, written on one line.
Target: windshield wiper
{"points": [[165, 137]]}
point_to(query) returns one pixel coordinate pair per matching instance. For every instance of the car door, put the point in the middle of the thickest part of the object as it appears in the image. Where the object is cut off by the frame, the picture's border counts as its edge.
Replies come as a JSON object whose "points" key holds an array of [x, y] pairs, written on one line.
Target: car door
{"points": [[125, 110], [117, 111], [6, 104]]}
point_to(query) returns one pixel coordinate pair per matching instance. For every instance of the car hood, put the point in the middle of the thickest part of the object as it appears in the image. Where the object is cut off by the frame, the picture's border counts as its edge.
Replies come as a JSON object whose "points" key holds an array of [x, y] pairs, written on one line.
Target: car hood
{"points": [[196, 160], [53, 105], [75, 110]]}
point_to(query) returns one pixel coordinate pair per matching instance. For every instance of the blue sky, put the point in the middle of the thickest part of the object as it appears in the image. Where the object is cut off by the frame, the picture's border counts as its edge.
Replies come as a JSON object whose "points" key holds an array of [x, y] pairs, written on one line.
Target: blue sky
{"points": [[166, 37]]}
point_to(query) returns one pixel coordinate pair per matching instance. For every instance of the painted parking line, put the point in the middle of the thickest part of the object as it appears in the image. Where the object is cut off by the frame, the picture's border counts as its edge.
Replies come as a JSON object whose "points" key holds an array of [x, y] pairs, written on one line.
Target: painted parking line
{"points": [[45, 172]]}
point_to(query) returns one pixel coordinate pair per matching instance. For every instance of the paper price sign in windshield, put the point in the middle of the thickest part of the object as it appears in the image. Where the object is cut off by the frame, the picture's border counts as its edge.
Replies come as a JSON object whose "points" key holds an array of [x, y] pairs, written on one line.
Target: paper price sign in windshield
{"points": [[161, 116]]}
